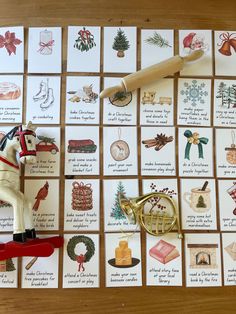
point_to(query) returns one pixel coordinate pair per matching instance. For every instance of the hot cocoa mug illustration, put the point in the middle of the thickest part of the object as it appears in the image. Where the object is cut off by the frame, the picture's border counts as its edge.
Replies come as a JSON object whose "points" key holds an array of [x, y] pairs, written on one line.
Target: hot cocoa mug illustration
{"points": [[198, 200]]}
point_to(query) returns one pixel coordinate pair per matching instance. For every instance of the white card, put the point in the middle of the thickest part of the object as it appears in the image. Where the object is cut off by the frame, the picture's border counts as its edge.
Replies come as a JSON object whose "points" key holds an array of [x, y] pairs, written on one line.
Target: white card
{"points": [[164, 260], [40, 272], [48, 149], [194, 102], [158, 151], [121, 108], [123, 260], [82, 205], [12, 49], [114, 217], [120, 48], [227, 204], [195, 152], [82, 99], [198, 206], [81, 261], [190, 41], [44, 50], [226, 153], [82, 150], [225, 56], [43, 196], [156, 46], [11, 98], [157, 103], [202, 260], [229, 258], [225, 103], [83, 49], [43, 99], [120, 151], [8, 268]]}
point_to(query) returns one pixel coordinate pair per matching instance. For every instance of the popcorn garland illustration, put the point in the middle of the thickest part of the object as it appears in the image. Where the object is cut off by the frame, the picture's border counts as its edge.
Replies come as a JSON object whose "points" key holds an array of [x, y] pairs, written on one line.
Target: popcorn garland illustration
{"points": [[46, 42], [120, 43], [85, 40], [193, 138], [158, 41], [9, 91], [232, 193], [85, 94], [228, 41], [227, 95], [82, 258], [231, 151], [41, 196], [119, 149], [194, 41], [123, 256], [194, 93], [158, 142], [116, 211], [44, 95], [9, 42], [82, 196]]}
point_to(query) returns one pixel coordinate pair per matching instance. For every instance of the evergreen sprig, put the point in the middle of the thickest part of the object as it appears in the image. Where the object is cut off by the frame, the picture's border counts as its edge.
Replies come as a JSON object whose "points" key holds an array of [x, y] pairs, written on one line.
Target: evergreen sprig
{"points": [[158, 40]]}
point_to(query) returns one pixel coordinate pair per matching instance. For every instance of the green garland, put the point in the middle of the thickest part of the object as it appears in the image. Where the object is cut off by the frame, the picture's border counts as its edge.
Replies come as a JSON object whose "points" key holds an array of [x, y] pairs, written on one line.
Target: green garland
{"points": [[90, 247]]}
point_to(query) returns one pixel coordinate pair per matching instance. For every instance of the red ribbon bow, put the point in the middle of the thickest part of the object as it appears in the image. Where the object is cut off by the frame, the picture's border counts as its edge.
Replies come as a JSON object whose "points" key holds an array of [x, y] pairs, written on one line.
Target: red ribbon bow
{"points": [[46, 45], [81, 259], [226, 37]]}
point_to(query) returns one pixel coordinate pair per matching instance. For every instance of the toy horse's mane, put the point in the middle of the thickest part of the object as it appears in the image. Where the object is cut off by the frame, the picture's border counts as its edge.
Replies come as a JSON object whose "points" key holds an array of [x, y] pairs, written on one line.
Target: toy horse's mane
{"points": [[8, 136]]}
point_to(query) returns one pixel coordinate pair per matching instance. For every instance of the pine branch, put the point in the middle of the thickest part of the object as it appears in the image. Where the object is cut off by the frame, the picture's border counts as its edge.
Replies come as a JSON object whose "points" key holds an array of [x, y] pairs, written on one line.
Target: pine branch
{"points": [[158, 40]]}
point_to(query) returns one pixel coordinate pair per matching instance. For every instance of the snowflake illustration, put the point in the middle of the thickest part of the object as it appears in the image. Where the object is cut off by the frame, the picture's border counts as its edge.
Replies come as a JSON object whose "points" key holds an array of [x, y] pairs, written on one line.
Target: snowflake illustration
{"points": [[194, 93]]}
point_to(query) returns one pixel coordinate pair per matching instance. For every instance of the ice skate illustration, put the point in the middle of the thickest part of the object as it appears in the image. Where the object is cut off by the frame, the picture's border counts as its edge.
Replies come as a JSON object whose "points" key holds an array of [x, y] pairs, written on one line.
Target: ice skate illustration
{"points": [[45, 94]]}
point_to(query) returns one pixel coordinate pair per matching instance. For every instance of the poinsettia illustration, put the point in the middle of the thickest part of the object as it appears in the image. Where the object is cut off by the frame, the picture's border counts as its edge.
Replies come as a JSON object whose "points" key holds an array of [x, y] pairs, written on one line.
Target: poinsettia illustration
{"points": [[9, 42]]}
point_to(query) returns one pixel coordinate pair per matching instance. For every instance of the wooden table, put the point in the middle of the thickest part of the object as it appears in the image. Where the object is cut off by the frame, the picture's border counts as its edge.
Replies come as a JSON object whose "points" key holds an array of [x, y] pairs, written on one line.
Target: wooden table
{"points": [[172, 14]]}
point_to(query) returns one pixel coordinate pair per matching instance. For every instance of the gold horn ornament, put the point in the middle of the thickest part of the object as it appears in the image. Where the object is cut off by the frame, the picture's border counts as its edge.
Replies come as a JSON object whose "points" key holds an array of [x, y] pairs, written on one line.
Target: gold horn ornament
{"points": [[154, 222]]}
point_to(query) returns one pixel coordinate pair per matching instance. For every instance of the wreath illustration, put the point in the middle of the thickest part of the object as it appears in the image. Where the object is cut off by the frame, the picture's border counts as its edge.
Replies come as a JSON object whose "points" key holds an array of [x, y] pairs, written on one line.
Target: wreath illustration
{"points": [[82, 258]]}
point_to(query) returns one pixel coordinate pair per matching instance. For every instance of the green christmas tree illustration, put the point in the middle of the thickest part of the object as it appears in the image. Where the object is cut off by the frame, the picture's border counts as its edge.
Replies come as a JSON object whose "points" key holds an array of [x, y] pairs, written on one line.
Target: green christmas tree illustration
{"points": [[10, 265], [48, 140], [120, 43], [200, 203], [116, 211]]}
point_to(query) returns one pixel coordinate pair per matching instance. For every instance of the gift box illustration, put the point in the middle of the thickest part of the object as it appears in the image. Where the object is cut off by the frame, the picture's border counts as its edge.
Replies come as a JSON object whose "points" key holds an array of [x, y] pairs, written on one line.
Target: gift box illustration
{"points": [[203, 255], [164, 252], [123, 256], [82, 196], [81, 146], [231, 250]]}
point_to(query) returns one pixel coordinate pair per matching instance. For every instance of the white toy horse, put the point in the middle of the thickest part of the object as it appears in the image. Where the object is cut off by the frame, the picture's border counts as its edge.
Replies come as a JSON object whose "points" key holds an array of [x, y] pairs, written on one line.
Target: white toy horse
{"points": [[20, 140]]}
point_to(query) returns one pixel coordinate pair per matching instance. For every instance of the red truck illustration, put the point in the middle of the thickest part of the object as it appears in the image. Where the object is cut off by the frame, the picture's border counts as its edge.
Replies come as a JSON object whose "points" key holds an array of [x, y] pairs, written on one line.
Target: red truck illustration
{"points": [[81, 146]]}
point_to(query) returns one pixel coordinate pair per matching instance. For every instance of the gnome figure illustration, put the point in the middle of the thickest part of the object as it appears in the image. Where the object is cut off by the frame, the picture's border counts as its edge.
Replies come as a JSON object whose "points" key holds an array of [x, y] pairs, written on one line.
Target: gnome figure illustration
{"points": [[41, 196]]}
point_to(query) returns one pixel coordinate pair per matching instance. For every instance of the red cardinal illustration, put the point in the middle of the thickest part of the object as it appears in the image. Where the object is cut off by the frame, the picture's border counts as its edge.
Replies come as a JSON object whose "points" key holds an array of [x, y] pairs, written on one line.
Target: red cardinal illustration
{"points": [[41, 196]]}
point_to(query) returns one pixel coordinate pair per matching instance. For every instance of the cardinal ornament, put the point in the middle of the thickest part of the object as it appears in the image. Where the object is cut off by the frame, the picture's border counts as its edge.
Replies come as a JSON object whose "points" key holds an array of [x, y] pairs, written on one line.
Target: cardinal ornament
{"points": [[41, 196], [119, 149]]}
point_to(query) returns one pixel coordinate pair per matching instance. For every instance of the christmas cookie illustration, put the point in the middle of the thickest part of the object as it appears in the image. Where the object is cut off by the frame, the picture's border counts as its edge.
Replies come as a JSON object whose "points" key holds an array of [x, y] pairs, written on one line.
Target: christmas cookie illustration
{"points": [[158, 142], [158, 41], [121, 43], [82, 257], [85, 40], [119, 149], [86, 94], [123, 256], [228, 41], [9, 42], [194, 139], [82, 196], [46, 42]]}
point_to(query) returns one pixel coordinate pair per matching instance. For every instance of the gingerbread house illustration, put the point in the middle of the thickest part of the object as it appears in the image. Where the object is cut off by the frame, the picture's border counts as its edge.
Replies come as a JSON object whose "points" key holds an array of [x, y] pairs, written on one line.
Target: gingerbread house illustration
{"points": [[203, 255]]}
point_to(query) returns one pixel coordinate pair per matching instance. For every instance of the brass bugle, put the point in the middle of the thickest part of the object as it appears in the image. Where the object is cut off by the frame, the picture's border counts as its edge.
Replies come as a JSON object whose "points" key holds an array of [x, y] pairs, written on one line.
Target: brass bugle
{"points": [[153, 222]]}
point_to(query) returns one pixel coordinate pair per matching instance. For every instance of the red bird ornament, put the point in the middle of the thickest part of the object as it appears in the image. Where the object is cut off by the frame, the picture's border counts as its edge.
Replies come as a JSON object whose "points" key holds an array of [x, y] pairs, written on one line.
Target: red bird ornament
{"points": [[41, 196]]}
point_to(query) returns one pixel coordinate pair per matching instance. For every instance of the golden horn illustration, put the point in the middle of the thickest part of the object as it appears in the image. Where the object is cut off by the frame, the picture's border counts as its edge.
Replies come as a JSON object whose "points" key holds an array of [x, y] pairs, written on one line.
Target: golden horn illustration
{"points": [[153, 73]]}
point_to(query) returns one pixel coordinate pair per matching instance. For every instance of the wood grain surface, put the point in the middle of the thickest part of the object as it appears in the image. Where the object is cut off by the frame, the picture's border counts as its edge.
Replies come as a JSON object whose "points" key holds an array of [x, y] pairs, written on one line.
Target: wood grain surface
{"points": [[172, 14]]}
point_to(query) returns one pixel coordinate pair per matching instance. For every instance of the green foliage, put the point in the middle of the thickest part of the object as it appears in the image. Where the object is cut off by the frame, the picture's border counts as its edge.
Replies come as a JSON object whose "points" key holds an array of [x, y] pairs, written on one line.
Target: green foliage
{"points": [[201, 203], [46, 139], [157, 40], [84, 43], [121, 42], [116, 212], [227, 94]]}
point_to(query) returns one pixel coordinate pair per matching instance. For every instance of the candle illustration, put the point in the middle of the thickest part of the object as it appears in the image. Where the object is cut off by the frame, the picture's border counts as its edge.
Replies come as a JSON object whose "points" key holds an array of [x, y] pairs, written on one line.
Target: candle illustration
{"points": [[46, 42]]}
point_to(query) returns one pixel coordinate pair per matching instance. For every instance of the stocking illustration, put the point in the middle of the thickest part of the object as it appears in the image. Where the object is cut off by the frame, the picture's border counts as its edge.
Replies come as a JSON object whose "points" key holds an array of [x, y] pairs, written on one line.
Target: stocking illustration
{"points": [[232, 192]]}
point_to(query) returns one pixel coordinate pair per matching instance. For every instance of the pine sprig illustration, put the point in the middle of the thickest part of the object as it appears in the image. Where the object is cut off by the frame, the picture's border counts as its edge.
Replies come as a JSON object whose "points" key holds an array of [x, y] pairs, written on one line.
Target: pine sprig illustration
{"points": [[158, 40]]}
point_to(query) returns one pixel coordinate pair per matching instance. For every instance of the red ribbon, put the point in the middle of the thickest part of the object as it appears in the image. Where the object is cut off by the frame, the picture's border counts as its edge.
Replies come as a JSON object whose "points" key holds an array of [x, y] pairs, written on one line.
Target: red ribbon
{"points": [[82, 187], [226, 37], [85, 35], [46, 45], [81, 259]]}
